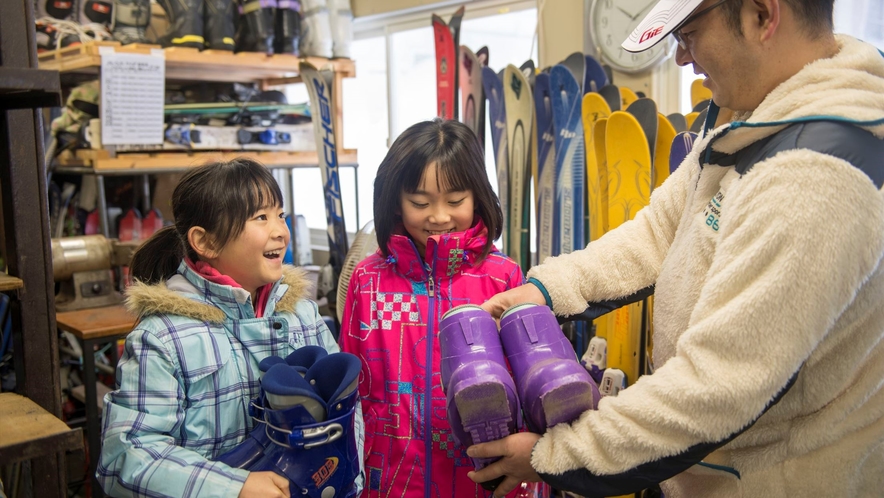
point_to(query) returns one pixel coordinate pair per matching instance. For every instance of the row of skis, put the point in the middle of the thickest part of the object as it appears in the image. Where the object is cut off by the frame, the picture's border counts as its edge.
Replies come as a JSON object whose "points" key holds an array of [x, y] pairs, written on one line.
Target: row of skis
{"points": [[591, 152]]}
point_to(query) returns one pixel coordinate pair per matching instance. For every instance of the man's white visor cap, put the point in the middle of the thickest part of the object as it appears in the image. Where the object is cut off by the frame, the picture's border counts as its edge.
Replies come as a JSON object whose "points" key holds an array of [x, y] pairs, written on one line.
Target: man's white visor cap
{"points": [[662, 20]]}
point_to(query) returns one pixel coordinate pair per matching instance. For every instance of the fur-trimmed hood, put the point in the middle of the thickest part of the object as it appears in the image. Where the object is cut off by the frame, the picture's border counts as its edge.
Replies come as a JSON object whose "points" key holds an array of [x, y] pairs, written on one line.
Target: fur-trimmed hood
{"points": [[179, 295]]}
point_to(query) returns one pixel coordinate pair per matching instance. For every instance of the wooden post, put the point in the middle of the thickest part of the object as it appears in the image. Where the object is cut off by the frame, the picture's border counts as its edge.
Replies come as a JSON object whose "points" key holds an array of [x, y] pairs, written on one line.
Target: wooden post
{"points": [[26, 223]]}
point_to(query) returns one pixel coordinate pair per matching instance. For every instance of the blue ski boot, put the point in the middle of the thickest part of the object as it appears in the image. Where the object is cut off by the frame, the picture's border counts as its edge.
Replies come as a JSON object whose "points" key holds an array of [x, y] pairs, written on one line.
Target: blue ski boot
{"points": [[310, 421], [252, 449]]}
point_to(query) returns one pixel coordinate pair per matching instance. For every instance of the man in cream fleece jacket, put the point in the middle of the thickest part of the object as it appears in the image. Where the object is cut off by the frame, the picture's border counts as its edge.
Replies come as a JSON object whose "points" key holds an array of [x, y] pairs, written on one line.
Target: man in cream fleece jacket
{"points": [[769, 324]]}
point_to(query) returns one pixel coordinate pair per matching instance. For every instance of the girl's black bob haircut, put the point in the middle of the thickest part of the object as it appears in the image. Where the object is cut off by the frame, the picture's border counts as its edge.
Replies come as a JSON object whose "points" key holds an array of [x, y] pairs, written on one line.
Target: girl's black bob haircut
{"points": [[453, 149]]}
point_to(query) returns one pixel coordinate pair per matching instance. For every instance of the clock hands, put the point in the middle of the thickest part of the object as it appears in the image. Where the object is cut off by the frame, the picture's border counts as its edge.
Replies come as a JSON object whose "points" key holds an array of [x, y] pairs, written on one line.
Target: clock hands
{"points": [[627, 13], [634, 17]]}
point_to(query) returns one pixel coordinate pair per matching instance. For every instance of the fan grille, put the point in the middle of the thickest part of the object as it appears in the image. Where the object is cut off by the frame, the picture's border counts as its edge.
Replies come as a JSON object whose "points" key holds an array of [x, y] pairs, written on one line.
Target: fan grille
{"points": [[364, 245]]}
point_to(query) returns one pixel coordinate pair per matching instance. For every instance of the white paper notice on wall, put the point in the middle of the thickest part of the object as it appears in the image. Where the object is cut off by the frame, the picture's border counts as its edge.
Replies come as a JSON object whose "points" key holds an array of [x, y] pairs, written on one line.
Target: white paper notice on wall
{"points": [[132, 97]]}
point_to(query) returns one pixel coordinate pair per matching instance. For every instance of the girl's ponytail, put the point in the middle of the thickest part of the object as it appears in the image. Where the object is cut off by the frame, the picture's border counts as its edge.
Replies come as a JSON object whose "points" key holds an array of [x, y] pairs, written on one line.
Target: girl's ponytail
{"points": [[158, 257]]}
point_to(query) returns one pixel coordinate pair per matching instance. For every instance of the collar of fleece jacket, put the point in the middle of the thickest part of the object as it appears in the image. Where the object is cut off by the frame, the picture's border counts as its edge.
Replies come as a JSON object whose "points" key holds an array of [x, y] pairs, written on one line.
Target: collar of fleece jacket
{"points": [[445, 255], [143, 299], [849, 85]]}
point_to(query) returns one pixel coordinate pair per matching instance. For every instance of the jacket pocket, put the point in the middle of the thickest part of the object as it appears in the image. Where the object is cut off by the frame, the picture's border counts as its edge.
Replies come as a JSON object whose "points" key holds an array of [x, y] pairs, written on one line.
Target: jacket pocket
{"points": [[202, 353]]}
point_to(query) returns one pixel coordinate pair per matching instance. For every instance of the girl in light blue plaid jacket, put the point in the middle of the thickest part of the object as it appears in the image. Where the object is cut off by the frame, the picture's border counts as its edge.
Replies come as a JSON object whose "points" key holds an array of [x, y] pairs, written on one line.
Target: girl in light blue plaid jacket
{"points": [[214, 299]]}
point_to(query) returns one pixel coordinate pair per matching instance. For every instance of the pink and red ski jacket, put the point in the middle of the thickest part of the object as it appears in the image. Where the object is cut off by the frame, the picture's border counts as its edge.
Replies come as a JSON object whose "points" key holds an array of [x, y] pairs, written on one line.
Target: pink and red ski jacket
{"points": [[391, 321]]}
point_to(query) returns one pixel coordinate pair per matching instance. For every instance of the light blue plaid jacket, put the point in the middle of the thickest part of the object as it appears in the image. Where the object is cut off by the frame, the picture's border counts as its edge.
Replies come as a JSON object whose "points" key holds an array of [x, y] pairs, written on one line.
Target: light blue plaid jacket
{"points": [[184, 382]]}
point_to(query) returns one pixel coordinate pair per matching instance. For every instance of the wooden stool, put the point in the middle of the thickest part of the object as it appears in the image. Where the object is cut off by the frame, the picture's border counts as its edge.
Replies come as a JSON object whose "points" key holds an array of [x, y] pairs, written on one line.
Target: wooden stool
{"points": [[28, 431]]}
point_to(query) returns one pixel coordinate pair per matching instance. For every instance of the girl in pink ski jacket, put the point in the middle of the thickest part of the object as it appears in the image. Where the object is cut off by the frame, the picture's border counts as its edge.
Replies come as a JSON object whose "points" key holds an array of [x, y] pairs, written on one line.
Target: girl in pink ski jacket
{"points": [[436, 216]]}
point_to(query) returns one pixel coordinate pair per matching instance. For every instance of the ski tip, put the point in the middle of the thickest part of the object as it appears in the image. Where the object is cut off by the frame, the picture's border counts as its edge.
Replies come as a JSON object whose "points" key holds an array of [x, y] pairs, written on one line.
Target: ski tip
{"points": [[482, 55], [528, 65]]}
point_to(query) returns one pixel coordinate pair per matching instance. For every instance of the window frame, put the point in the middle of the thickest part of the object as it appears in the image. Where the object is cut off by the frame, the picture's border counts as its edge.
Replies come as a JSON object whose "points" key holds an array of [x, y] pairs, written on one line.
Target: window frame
{"points": [[386, 25]]}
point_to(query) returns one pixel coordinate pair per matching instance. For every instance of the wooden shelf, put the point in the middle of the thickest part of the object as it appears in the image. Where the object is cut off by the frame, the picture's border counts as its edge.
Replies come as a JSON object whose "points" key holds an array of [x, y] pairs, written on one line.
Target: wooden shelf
{"points": [[99, 161], [192, 64], [8, 283], [28, 431]]}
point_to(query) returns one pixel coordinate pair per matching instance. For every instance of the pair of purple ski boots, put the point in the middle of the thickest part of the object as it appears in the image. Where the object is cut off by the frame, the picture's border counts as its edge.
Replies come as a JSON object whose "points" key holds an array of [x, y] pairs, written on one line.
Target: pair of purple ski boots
{"points": [[482, 399], [304, 423]]}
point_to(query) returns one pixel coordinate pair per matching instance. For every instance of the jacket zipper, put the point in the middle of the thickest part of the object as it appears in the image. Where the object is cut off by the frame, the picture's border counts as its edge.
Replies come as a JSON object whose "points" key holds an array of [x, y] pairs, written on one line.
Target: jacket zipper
{"points": [[428, 370], [431, 286], [428, 374]]}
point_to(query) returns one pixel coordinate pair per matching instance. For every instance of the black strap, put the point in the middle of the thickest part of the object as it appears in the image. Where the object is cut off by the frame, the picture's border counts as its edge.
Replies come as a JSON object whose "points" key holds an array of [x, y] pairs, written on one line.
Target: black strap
{"points": [[600, 308], [89, 108], [839, 139]]}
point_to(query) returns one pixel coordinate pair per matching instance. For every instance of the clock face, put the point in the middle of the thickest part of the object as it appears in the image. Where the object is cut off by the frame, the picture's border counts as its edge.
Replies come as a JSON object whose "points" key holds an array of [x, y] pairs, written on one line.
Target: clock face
{"points": [[612, 22]]}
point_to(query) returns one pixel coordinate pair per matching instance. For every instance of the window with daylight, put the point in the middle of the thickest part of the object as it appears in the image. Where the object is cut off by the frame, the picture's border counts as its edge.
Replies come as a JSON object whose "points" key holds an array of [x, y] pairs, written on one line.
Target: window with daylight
{"points": [[863, 19], [395, 87], [413, 75], [365, 129]]}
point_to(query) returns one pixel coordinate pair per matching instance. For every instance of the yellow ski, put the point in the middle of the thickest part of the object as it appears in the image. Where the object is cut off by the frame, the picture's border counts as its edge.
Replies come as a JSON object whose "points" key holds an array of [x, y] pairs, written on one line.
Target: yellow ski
{"points": [[593, 109], [699, 93], [598, 140], [627, 97], [629, 190], [604, 323], [665, 135], [690, 117]]}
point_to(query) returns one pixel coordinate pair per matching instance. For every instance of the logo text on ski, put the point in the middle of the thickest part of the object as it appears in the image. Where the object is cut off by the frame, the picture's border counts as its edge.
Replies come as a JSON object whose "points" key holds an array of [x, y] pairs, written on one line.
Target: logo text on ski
{"points": [[516, 85], [468, 65], [328, 140]]}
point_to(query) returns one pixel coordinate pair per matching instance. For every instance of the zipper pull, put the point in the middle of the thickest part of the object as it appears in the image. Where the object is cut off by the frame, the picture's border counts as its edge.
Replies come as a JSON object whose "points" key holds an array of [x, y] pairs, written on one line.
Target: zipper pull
{"points": [[431, 286]]}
